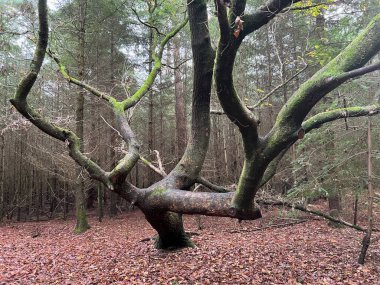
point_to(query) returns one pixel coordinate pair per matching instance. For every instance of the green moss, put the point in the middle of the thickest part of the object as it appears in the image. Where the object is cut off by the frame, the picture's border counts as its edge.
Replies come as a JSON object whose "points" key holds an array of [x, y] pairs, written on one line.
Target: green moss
{"points": [[82, 224], [159, 191]]}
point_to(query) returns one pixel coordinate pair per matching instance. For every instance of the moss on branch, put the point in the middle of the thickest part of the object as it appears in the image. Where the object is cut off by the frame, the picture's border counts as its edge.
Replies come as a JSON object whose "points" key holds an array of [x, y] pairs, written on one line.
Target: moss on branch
{"points": [[348, 64]]}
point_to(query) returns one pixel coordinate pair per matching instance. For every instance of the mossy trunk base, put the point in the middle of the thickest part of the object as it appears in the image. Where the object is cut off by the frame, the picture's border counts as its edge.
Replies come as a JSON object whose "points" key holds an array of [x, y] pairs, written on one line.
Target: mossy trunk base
{"points": [[171, 233], [82, 223]]}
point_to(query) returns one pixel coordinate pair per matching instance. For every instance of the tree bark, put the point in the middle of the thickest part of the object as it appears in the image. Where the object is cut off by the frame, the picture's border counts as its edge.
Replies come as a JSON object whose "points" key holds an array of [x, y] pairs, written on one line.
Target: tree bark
{"points": [[2, 176], [187, 170], [180, 107], [163, 202], [367, 238], [151, 103], [80, 193]]}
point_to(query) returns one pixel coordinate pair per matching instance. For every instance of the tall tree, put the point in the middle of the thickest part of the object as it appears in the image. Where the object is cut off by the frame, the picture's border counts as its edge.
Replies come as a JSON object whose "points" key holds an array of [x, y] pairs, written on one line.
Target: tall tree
{"points": [[367, 238], [164, 202], [180, 106], [80, 193]]}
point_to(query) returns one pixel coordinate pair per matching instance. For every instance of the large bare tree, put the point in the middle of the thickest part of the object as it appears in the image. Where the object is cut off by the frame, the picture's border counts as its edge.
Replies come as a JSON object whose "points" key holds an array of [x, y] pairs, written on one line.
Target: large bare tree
{"points": [[165, 201]]}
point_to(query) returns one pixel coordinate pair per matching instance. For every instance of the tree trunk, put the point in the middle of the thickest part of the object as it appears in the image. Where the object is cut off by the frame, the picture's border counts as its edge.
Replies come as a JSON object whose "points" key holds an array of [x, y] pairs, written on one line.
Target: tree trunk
{"points": [[180, 107], [356, 209], [334, 196], [80, 194], [2, 176], [65, 204], [113, 197], [150, 112], [169, 226], [367, 238], [100, 203]]}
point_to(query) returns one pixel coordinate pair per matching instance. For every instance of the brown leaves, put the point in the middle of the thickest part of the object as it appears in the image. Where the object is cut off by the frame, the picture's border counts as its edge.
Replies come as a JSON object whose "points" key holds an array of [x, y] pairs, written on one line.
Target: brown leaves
{"points": [[238, 26], [111, 253]]}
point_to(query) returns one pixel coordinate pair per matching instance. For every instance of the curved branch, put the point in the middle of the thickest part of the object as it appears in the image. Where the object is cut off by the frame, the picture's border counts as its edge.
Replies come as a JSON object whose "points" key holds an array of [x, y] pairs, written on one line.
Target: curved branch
{"points": [[272, 168], [332, 115], [29, 79], [348, 64], [223, 22], [125, 165], [21, 104], [188, 168], [145, 23], [144, 89], [354, 73], [211, 186], [264, 14], [315, 122], [170, 35]]}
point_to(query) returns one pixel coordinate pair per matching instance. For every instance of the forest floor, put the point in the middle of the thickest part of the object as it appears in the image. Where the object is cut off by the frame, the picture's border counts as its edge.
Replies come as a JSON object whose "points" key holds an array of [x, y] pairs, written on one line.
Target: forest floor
{"points": [[118, 251]]}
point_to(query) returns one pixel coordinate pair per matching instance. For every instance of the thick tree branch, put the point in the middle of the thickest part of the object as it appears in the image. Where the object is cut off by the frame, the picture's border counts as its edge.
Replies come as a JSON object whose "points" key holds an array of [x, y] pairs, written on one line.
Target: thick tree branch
{"points": [[317, 120], [272, 167], [225, 30], [188, 168], [348, 64], [196, 203], [264, 14], [125, 165], [353, 73], [21, 104], [29, 79]]}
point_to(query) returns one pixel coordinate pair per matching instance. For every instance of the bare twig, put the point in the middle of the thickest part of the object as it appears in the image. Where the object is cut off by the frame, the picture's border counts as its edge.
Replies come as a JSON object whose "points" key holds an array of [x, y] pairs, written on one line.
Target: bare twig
{"points": [[269, 227], [276, 88], [145, 23], [304, 209], [159, 162], [151, 166]]}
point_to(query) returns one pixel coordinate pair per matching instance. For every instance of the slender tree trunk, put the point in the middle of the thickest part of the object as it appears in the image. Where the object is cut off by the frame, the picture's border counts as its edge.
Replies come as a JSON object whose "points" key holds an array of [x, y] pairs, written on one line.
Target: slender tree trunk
{"points": [[65, 204], [367, 238], [80, 194], [100, 203], [2, 175], [180, 107], [334, 197], [21, 175], [226, 166], [150, 114], [113, 197], [38, 195], [356, 209]]}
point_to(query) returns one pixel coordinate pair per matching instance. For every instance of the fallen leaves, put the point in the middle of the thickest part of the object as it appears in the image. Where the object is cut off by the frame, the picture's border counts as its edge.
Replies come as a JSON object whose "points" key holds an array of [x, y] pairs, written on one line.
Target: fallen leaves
{"points": [[226, 253]]}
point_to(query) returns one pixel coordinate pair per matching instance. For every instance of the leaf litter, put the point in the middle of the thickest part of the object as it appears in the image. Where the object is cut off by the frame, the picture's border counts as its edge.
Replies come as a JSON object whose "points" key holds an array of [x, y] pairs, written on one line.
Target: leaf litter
{"points": [[120, 251]]}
